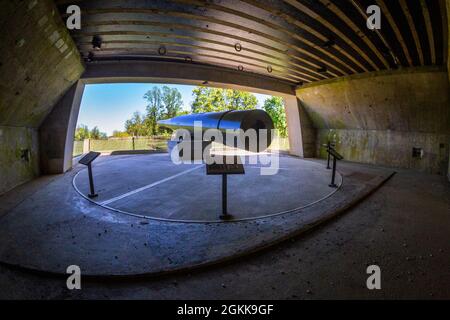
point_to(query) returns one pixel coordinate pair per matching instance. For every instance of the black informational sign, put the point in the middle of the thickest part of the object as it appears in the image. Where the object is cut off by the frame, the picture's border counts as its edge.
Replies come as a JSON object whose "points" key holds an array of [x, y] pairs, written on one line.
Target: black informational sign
{"points": [[216, 169], [224, 169], [335, 154], [87, 159]]}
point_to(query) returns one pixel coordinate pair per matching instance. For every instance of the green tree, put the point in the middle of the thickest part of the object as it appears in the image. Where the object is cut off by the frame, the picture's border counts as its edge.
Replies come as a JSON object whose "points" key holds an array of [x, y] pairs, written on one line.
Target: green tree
{"points": [[120, 134], [136, 126], [82, 133], [154, 109], [216, 100], [172, 102], [97, 135], [274, 106], [207, 100], [240, 100], [162, 104], [182, 113]]}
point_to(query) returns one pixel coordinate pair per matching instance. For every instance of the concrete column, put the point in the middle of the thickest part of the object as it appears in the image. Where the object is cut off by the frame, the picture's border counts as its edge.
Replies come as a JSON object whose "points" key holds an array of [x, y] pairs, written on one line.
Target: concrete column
{"points": [[300, 130], [448, 69], [86, 146], [448, 172], [56, 134]]}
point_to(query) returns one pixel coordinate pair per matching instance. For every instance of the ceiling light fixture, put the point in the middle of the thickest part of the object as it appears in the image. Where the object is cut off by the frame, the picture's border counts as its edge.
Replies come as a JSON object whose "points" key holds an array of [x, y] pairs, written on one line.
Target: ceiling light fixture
{"points": [[97, 43]]}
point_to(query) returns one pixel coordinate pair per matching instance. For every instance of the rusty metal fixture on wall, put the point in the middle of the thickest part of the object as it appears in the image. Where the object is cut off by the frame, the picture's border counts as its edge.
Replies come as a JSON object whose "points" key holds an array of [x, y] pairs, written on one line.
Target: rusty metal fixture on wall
{"points": [[162, 51]]}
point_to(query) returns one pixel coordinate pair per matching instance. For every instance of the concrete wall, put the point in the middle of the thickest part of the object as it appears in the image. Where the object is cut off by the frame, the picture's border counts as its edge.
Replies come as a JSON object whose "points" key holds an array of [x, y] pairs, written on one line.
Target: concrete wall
{"points": [[14, 142], [57, 133], [380, 117], [300, 129], [38, 63], [448, 64]]}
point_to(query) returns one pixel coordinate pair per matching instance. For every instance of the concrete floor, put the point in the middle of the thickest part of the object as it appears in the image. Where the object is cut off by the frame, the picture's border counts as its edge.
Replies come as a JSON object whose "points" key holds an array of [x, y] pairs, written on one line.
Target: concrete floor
{"points": [[403, 227], [54, 226], [152, 186]]}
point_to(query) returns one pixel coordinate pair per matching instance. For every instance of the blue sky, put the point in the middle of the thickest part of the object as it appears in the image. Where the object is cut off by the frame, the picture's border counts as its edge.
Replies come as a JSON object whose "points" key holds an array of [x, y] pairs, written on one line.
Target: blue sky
{"points": [[108, 106]]}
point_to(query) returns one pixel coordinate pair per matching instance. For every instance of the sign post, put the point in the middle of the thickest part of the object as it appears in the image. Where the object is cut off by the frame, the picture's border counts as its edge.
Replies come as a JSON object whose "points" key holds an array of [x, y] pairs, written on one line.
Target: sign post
{"points": [[329, 145], [336, 156], [224, 170], [225, 215], [87, 161]]}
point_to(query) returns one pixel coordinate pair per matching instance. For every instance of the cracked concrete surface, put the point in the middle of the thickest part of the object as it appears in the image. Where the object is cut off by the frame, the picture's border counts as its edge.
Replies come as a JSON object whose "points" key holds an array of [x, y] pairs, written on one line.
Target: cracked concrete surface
{"points": [[403, 227], [56, 227]]}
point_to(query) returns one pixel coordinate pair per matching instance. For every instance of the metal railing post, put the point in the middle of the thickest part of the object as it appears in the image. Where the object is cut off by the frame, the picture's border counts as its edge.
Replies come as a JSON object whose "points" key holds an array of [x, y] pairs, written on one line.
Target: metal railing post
{"points": [[225, 215], [91, 183]]}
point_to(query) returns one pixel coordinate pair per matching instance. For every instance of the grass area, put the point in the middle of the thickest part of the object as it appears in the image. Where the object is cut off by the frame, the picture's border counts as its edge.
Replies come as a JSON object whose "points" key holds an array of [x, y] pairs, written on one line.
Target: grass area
{"points": [[146, 143], [77, 148], [281, 144], [150, 143], [122, 144]]}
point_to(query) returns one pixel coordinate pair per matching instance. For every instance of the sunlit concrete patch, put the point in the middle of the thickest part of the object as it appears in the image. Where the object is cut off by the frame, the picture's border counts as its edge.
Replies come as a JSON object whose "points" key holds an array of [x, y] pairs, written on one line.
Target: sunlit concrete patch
{"points": [[151, 186], [55, 227]]}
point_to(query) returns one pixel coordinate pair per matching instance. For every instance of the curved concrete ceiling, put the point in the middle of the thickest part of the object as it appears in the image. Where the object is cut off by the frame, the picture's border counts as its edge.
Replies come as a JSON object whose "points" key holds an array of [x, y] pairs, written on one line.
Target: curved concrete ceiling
{"points": [[298, 41]]}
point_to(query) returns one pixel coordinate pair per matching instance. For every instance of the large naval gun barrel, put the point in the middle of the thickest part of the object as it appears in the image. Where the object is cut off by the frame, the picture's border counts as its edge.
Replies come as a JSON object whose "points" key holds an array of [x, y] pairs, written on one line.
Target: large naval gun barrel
{"points": [[248, 121]]}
